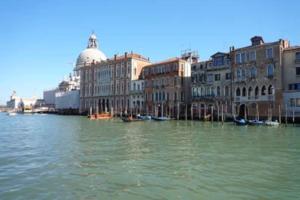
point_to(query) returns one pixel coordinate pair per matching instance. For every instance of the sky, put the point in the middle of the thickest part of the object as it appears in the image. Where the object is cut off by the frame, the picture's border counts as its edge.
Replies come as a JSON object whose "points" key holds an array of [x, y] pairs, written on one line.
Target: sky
{"points": [[40, 40]]}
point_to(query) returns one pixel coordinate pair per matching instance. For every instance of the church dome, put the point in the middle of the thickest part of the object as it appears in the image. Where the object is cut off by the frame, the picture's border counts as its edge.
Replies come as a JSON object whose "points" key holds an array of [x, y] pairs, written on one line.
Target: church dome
{"points": [[90, 54]]}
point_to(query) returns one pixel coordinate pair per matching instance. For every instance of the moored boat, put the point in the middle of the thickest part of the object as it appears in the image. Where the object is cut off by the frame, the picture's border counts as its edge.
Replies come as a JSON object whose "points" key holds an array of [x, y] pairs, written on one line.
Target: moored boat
{"points": [[271, 123], [100, 116], [240, 122], [255, 122], [144, 117], [131, 119], [160, 118]]}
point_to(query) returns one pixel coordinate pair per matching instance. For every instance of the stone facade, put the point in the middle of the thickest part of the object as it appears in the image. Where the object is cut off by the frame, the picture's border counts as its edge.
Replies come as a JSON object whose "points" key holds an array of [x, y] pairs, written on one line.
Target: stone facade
{"points": [[291, 81], [105, 86], [211, 85], [257, 78], [167, 86]]}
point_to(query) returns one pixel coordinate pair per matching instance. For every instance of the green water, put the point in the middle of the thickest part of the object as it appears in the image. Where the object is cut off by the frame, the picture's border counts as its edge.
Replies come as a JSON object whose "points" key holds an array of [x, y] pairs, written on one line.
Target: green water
{"points": [[70, 157]]}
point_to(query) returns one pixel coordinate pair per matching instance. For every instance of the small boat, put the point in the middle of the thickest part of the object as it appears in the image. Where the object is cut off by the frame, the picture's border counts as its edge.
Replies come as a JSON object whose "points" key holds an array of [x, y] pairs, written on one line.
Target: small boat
{"points": [[131, 119], [144, 117], [11, 113], [240, 122], [100, 116], [271, 123], [255, 122], [160, 118]]}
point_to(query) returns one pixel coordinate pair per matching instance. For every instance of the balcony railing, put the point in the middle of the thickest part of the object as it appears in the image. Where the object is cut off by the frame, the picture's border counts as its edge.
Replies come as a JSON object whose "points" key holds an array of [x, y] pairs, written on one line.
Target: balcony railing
{"points": [[254, 98]]}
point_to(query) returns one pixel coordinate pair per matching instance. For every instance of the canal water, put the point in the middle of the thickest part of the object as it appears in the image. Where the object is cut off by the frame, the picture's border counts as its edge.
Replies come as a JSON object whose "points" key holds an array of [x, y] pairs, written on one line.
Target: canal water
{"points": [[70, 157]]}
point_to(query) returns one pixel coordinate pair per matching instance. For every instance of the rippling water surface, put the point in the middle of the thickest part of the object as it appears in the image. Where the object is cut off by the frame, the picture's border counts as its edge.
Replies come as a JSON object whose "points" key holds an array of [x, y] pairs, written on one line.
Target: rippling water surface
{"points": [[70, 157]]}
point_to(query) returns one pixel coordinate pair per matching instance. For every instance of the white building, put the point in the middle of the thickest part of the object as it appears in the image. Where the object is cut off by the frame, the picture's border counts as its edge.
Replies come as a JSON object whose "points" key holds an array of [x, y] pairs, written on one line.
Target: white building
{"points": [[49, 97], [68, 100], [18, 103]]}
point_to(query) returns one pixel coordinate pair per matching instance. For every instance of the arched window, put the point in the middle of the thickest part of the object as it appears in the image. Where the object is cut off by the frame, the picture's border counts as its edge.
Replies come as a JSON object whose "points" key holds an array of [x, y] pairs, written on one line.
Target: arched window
{"points": [[244, 92], [249, 91], [270, 89], [218, 91], [226, 91], [263, 90], [238, 92], [270, 70], [256, 91]]}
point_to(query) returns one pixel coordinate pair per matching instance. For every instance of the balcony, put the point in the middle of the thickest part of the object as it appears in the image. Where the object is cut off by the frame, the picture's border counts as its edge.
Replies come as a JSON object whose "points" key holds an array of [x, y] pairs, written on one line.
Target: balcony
{"points": [[254, 98]]}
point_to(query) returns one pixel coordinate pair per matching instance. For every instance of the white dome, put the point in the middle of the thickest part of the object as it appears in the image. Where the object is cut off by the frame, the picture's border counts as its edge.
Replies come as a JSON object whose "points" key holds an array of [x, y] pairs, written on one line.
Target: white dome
{"points": [[90, 54]]}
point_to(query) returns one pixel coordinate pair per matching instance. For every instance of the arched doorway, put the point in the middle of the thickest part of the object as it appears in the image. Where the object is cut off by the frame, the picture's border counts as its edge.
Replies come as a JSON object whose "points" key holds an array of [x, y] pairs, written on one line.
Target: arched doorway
{"points": [[243, 111]]}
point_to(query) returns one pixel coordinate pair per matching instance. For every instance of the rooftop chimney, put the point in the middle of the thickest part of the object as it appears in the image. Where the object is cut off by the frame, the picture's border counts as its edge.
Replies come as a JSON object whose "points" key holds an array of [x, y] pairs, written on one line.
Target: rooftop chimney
{"points": [[257, 40]]}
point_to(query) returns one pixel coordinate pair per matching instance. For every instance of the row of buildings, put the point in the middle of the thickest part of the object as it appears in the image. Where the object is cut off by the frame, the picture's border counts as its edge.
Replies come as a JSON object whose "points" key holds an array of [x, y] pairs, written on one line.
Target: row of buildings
{"points": [[262, 79]]}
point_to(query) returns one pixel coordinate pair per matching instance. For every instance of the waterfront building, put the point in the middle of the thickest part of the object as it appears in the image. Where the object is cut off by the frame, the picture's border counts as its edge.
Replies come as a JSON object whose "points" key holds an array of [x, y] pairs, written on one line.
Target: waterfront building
{"points": [[257, 78], [211, 86], [291, 81], [167, 86], [65, 98], [137, 97], [19, 103], [49, 97], [105, 83]]}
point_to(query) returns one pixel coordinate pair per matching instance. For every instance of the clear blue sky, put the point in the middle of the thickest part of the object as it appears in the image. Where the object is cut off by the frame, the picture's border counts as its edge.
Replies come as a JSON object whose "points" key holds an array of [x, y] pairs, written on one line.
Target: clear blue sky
{"points": [[39, 39]]}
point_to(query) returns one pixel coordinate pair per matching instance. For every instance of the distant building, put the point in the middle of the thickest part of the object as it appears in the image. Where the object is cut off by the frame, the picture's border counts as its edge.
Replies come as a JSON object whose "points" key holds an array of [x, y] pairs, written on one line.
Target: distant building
{"points": [[64, 98], [291, 81], [18, 103], [49, 97]]}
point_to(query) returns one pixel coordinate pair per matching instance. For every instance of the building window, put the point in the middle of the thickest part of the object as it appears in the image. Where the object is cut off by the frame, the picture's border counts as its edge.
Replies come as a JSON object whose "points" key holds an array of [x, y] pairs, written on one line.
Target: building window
{"points": [[238, 92], [219, 61], [244, 92], [263, 90], [238, 74], [256, 91], [243, 73], [252, 56], [228, 76], [298, 71], [226, 91], [218, 91], [269, 53], [253, 72], [295, 102], [210, 77], [297, 56], [217, 77], [250, 91], [243, 57], [270, 70], [270, 89], [238, 58]]}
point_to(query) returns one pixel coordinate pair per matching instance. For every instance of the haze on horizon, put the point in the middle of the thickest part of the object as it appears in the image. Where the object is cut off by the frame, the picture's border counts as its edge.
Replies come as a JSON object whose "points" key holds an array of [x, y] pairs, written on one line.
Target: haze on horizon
{"points": [[40, 40]]}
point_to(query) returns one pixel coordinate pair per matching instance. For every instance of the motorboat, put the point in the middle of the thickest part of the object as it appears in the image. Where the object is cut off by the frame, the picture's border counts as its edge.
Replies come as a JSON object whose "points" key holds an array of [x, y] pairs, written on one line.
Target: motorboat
{"points": [[160, 118], [271, 123], [100, 116], [131, 119], [240, 121], [144, 117], [255, 122]]}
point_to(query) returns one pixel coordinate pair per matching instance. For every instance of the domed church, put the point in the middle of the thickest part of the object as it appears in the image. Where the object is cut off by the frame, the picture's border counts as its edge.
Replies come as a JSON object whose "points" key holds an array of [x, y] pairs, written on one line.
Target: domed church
{"points": [[90, 54]]}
